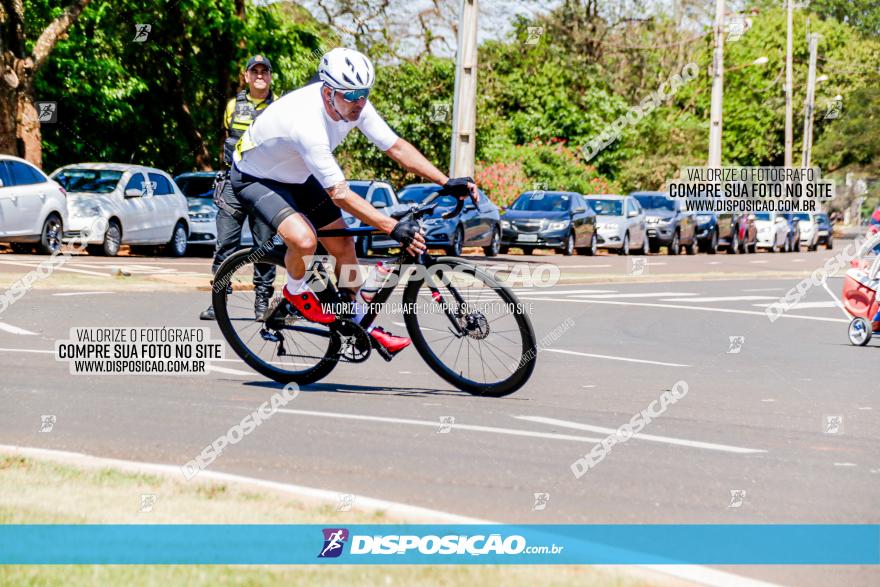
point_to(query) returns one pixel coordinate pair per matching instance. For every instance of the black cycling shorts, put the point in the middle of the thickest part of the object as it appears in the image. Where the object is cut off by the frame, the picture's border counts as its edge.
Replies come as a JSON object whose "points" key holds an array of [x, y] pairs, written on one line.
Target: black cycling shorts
{"points": [[274, 201]]}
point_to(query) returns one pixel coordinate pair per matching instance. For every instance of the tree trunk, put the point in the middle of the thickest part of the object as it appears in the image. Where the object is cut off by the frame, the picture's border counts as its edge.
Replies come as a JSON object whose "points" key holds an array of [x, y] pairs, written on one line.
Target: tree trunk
{"points": [[19, 120]]}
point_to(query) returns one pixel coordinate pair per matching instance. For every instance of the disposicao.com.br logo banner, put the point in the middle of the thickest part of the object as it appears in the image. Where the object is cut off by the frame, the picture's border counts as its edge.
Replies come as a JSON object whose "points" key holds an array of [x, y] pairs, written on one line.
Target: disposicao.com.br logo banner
{"points": [[265, 544]]}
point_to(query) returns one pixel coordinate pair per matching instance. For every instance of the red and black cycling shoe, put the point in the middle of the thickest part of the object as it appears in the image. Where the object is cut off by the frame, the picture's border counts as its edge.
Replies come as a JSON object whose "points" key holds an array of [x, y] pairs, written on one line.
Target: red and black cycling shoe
{"points": [[308, 305], [389, 342]]}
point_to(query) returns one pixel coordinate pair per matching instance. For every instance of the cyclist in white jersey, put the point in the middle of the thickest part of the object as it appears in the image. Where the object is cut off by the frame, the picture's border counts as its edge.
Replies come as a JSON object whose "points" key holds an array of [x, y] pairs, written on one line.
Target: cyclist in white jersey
{"points": [[284, 168]]}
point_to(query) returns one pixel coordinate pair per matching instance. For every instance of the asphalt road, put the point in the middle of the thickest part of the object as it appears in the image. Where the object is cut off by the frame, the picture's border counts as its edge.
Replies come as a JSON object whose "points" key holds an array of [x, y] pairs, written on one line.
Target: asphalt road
{"points": [[754, 424]]}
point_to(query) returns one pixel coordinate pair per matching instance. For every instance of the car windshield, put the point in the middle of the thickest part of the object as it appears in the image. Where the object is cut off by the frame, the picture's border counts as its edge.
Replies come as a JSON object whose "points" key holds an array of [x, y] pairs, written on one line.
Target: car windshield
{"points": [[652, 201], [98, 181], [542, 202], [762, 216], [196, 186], [417, 194], [607, 207], [803, 216]]}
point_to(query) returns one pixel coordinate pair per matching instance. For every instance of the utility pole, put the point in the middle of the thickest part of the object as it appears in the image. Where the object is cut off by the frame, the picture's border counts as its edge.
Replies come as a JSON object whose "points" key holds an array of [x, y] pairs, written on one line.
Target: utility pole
{"points": [[715, 117], [810, 102], [789, 116], [464, 110]]}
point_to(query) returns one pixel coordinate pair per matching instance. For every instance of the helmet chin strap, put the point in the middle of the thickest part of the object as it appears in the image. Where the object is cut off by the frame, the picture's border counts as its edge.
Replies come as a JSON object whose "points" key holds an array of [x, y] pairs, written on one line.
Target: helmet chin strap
{"points": [[333, 105]]}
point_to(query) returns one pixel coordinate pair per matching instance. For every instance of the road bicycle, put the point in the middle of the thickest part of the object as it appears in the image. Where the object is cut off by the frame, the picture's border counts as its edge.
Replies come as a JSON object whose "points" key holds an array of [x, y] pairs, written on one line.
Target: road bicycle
{"points": [[467, 326]]}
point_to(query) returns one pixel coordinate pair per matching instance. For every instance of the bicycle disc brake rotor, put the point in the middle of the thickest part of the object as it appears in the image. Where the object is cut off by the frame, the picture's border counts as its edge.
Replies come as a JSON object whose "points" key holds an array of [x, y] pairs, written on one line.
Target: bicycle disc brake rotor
{"points": [[474, 325], [355, 342]]}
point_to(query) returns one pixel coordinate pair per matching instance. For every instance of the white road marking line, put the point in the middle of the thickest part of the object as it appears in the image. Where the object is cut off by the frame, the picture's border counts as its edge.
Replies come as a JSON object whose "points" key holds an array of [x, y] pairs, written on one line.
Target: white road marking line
{"points": [[228, 371], [758, 262], [15, 329], [613, 358], [768, 400], [659, 294], [797, 260], [587, 386], [672, 306], [59, 268], [83, 293], [845, 465], [803, 305], [714, 263], [837, 301], [656, 263], [765, 289], [722, 299], [652, 437], [866, 408], [436, 424]]}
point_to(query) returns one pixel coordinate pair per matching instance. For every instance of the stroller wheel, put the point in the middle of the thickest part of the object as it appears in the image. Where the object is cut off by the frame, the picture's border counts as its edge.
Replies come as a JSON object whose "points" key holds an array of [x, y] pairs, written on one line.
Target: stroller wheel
{"points": [[859, 331]]}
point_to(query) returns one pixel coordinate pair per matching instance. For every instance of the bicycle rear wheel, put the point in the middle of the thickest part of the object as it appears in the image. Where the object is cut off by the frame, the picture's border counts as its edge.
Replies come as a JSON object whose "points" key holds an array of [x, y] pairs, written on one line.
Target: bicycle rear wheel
{"points": [[470, 329], [284, 348]]}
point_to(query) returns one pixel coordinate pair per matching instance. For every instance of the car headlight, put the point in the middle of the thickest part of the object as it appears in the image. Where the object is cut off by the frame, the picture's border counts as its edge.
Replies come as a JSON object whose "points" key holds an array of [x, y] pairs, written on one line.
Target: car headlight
{"points": [[558, 225], [652, 219], [505, 224], [433, 221], [701, 218], [202, 215]]}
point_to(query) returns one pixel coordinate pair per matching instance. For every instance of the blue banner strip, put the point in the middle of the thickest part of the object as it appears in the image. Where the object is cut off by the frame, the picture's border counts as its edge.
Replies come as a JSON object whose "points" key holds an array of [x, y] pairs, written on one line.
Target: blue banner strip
{"points": [[441, 544]]}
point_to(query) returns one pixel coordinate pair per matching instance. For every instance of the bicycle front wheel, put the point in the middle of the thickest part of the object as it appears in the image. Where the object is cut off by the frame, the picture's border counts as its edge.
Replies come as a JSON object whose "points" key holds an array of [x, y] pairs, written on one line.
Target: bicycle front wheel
{"points": [[470, 329], [284, 348]]}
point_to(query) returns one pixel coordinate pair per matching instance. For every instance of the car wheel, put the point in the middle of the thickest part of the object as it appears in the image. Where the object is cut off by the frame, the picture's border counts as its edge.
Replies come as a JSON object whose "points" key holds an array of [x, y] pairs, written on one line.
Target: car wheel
{"points": [[712, 248], [568, 248], [457, 242], [593, 249], [362, 247], [675, 246], [829, 244], [494, 244], [112, 241], [50, 237], [176, 247], [624, 248], [733, 249]]}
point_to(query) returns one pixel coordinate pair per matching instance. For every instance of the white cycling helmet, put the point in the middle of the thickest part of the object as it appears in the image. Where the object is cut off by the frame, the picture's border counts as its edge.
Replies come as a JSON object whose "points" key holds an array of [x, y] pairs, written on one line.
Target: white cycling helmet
{"points": [[346, 69]]}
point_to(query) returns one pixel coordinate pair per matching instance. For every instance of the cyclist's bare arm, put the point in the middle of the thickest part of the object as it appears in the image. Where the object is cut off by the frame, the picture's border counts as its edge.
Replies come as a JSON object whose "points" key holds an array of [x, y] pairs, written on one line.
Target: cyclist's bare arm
{"points": [[344, 197], [411, 159]]}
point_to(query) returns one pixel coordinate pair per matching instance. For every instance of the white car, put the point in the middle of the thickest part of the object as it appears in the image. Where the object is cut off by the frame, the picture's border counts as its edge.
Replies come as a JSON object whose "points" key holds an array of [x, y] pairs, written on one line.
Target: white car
{"points": [[620, 222], [33, 208], [142, 206], [772, 231]]}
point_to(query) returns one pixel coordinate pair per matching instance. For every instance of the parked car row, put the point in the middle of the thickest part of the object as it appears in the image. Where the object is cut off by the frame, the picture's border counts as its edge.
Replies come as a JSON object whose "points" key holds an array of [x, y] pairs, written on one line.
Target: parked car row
{"points": [[650, 221], [145, 208]]}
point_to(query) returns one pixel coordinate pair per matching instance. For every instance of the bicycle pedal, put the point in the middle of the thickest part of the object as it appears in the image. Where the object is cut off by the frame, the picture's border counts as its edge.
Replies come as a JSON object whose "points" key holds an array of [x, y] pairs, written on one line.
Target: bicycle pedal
{"points": [[383, 352]]}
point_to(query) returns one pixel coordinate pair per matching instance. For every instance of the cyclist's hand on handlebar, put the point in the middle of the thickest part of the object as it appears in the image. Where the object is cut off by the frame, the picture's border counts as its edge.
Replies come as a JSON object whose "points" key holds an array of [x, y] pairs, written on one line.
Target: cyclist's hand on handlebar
{"points": [[409, 234], [461, 187]]}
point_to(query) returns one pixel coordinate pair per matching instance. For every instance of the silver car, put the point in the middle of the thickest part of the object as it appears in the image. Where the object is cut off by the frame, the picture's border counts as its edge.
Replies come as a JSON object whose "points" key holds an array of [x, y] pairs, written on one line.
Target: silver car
{"points": [[142, 207], [381, 195], [620, 222], [33, 208], [198, 187]]}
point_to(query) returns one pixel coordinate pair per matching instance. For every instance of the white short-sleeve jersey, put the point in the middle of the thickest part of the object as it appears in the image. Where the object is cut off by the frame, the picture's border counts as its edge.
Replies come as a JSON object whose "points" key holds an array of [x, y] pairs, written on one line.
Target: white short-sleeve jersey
{"points": [[295, 137]]}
